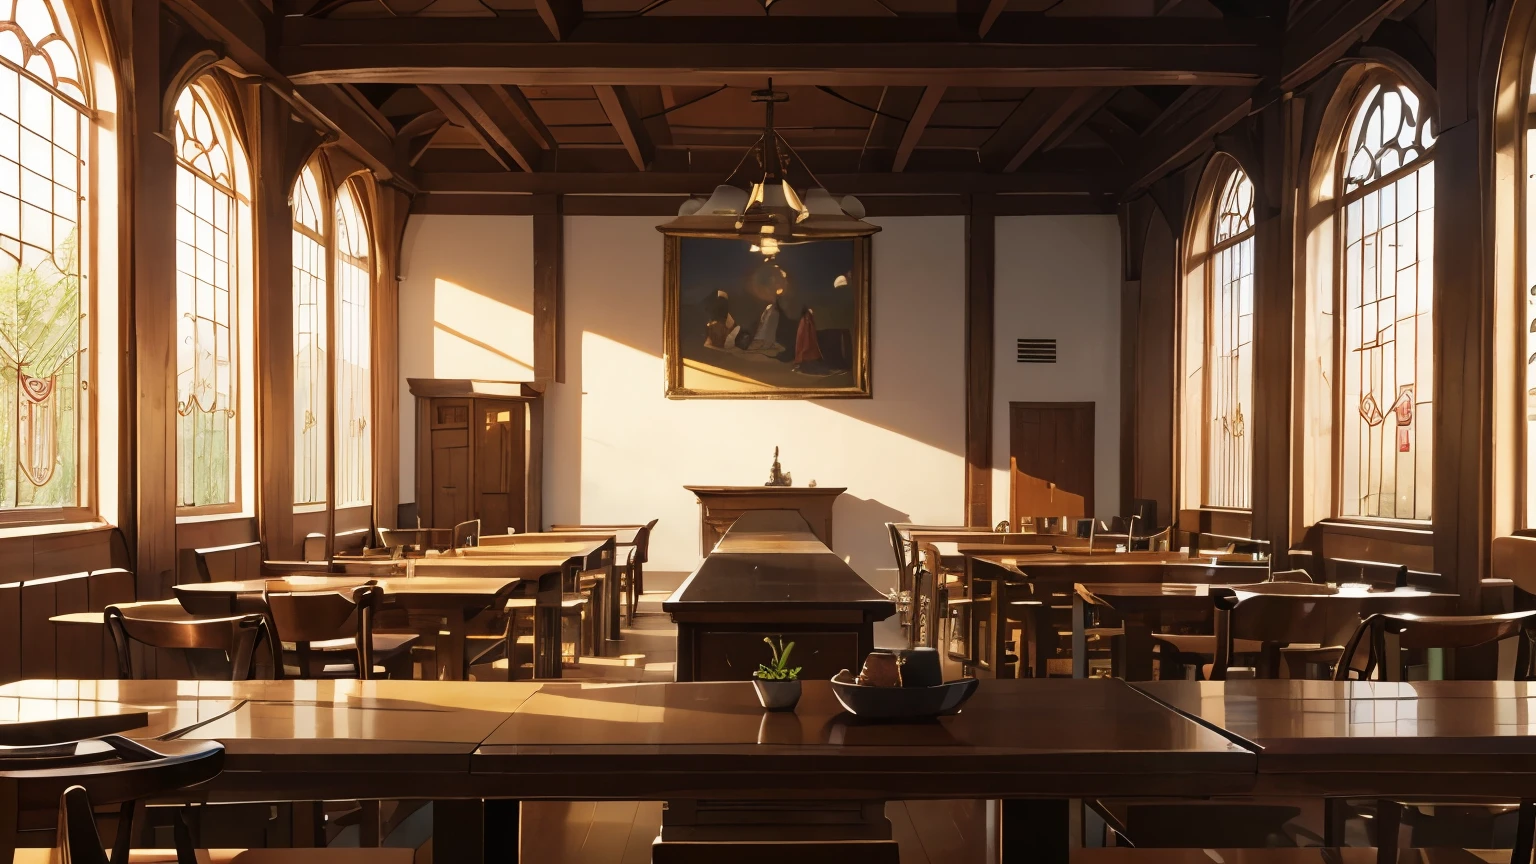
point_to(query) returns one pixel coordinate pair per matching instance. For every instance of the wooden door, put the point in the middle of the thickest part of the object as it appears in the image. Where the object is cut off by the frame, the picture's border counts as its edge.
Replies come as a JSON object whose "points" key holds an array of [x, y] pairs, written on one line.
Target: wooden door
{"points": [[450, 463], [1050, 459], [499, 469]]}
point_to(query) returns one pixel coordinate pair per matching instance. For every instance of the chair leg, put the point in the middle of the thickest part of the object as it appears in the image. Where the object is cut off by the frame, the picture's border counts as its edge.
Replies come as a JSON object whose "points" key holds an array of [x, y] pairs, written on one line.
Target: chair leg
{"points": [[1524, 831], [124, 839]]}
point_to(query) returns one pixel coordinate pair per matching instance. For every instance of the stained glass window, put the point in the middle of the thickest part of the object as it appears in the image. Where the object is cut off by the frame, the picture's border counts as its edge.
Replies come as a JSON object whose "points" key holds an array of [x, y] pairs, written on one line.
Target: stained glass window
{"points": [[311, 371], [207, 303], [354, 358], [44, 127], [1229, 348], [1389, 194]]}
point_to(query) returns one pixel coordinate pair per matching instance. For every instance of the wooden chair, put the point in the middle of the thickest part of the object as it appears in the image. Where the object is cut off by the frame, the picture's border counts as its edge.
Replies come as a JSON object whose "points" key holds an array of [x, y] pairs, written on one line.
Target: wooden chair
{"points": [[110, 770], [228, 563], [1381, 639], [57, 791], [466, 534], [244, 639], [910, 602], [1223, 543], [314, 547], [318, 625], [631, 573]]}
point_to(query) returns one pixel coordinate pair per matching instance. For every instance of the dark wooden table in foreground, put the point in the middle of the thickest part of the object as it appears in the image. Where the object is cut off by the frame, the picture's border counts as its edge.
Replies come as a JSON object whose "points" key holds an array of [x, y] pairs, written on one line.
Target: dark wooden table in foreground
{"points": [[459, 743], [770, 576]]}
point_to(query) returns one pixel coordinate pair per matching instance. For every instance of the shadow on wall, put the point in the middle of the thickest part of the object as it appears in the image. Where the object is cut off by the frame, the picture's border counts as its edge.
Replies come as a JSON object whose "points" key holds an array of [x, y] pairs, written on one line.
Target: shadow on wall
{"points": [[860, 534]]}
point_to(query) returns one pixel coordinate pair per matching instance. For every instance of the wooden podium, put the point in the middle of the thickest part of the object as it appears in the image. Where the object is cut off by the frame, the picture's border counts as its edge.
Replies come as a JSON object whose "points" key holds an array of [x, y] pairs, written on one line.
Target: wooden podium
{"points": [[720, 506]]}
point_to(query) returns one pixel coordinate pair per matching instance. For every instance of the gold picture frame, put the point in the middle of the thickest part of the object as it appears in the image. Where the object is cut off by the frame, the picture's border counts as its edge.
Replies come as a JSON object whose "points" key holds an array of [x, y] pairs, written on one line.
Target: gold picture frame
{"points": [[713, 349]]}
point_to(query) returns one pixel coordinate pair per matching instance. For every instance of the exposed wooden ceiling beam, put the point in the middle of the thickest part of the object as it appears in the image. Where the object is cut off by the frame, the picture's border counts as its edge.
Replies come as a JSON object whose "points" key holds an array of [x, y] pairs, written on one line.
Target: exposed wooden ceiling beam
{"points": [[1179, 138], [699, 183], [1034, 122], [626, 122], [357, 133], [915, 126], [686, 50], [989, 16], [490, 108], [424, 126], [560, 16], [886, 127], [457, 115], [525, 114], [369, 109], [1323, 32]]}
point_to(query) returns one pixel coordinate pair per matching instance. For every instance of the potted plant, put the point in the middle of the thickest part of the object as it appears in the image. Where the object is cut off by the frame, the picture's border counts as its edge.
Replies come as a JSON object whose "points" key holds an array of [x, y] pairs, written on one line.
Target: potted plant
{"points": [[777, 683]]}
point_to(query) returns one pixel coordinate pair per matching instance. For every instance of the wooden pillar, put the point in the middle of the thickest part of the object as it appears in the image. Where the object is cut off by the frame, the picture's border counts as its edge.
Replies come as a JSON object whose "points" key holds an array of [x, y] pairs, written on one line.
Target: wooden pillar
{"points": [[1134, 216], [549, 291], [1279, 152], [980, 269], [1463, 312], [272, 215], [149, 230], [390, 209]]}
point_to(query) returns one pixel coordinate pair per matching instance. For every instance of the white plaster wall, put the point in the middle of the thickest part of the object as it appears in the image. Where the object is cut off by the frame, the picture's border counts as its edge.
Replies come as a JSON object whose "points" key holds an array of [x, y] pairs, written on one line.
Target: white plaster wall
{"points": [[466, 309], [617, 450], [1059, 276]]}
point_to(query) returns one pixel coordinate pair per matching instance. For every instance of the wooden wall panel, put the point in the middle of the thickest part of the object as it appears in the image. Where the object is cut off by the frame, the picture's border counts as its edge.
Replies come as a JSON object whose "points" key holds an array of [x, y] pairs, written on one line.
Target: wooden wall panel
{"points": [[39, 602], [107, 587], [77, 648], [390, 208], [10, 632]]}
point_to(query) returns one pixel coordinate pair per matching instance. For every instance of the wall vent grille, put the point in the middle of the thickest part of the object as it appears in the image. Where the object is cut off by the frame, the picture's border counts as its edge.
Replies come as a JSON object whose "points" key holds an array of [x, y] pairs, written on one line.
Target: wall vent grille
{"points": [[1037, 350]]}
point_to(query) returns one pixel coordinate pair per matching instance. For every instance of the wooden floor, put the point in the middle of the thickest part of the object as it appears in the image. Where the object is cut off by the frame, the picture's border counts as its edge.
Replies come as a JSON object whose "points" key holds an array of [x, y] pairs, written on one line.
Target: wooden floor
{"points": [[621, 832]]}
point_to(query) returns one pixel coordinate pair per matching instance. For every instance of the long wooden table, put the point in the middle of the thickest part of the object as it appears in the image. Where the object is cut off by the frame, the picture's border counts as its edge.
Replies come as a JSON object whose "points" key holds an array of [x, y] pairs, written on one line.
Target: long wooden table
{"points": [[1056, 574], [588, 551], [463, 742], [770, 576], [443, 605], [1142, 607]]}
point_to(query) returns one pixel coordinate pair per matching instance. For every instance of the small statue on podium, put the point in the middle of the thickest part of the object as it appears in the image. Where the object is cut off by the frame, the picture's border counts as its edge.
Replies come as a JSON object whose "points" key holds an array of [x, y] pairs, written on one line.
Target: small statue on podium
{"points": [[776, 475]]}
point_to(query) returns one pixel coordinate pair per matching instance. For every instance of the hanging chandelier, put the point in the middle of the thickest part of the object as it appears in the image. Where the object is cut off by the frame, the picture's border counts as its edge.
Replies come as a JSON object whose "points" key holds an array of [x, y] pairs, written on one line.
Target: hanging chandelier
{"points": [[772, 214]]}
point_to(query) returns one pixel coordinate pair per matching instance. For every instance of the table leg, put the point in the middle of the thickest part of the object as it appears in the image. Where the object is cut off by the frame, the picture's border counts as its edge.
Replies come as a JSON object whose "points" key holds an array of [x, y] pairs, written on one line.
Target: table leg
{"points": [[1136, 648], [1035, 831], [1525, 828], [998, 622], [503, 830], [546, 641], [458, 831], [452, 664], [1079, 636], [611, 589], [1389, 815]]}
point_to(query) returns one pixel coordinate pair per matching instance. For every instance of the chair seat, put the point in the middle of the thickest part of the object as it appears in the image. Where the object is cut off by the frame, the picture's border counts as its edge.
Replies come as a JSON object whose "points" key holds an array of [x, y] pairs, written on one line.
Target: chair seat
{"points": [[245, 856], [384, 644], [1205, 643]]}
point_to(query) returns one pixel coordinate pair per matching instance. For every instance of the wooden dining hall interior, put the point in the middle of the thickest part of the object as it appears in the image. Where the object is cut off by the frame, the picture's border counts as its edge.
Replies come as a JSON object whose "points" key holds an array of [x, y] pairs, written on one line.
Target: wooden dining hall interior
{"points": [[682, 431]]}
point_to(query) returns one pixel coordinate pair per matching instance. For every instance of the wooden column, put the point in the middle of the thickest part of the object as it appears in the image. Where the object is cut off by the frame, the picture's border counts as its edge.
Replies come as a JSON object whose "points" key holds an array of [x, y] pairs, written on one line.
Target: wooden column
{"points": [[1277, 140], [150, 174], [1463, 311], [272, 215], [390, 207], [980, 309], [1134, 217], [549, 291]]}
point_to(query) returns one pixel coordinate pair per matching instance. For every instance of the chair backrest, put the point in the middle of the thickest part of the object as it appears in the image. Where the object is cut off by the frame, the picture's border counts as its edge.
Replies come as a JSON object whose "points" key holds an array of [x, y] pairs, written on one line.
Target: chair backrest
{"points": [[304, 617], [900, 547], [643, 542], [1306, 559], [1384, 636], [1514, 558], [228, 563], [314, 547], [1276, 613], [109, 770], [239, 636], [1380, 574], [466, 534], [1290, 576]]}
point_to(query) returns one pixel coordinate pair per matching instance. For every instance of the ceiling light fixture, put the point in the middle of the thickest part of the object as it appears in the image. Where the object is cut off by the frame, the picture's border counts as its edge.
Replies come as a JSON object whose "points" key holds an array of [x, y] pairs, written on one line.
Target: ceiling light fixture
{"points": [[772, 214]]}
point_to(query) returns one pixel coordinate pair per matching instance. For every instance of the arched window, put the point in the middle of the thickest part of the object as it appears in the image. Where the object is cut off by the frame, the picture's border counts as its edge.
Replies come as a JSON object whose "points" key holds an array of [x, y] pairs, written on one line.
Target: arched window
{"points": [[1229, 348], [354, 355], [45, 370], [1387, 337], [212, 217], [311, 371]]}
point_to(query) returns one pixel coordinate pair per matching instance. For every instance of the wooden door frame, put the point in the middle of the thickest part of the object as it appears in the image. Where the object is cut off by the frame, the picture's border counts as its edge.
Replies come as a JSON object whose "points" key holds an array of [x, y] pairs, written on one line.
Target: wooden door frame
{"points": [[1093, 473]]}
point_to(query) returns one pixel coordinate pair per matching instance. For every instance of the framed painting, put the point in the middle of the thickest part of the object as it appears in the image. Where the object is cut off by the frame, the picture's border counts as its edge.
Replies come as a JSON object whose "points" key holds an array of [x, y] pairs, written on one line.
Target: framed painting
{"points": [[741, 324]]}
